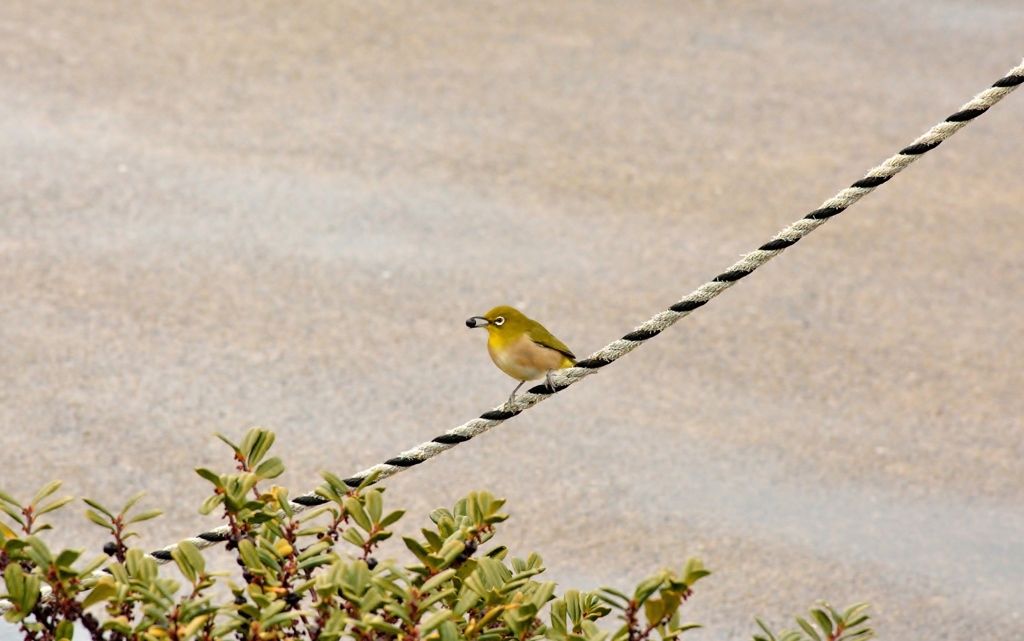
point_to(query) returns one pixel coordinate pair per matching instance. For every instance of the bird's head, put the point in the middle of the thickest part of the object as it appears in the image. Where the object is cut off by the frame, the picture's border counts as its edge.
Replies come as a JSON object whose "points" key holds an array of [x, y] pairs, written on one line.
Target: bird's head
{"points": [[503, 320]]}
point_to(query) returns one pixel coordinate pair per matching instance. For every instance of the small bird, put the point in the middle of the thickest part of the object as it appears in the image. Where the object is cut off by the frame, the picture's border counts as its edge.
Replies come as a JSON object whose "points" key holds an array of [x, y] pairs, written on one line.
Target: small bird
{"points": [[521, 347]]}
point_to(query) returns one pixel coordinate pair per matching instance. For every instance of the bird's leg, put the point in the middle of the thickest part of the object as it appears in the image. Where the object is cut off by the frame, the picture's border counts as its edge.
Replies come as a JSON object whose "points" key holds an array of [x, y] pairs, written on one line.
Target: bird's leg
{"points": [[547, 380], [512, 396]]}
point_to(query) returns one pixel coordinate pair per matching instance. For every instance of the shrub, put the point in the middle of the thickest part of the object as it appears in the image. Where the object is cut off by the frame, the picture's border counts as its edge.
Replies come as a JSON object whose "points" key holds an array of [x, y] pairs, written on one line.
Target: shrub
{"points": [[314, 577]]}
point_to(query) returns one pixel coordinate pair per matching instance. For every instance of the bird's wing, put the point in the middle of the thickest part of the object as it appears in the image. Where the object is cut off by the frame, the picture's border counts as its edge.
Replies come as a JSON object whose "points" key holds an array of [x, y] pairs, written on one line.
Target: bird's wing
{"points": [[545, 338]]}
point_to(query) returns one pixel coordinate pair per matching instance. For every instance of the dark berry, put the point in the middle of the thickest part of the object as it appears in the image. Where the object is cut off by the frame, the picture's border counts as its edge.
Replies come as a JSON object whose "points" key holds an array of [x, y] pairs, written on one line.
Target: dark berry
{"points": [[470, 549]]}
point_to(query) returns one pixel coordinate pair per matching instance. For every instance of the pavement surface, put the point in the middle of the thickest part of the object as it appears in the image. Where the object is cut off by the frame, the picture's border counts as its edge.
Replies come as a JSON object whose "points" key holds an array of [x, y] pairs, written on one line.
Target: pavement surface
{"points": [[219, 215]]}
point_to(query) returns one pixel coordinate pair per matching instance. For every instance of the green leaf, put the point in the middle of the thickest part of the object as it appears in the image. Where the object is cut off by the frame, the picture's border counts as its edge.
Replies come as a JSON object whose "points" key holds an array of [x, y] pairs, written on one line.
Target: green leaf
{"points": [[647, 587], [448, 631], [543, 594], [186, 568], [557, 616], [808, 628], [433, 540], [468, 599], [615, 592], [93, 565], [195, 558], [654, 609], [145, 516], [132, 501], [354, 537], [335, 482], [14, 578], [98, 520], [6, 532], [400, 611], [256, 448], [46, 491], [247, 552], [237, 449], [823, 621], [441, 514], [379, 624], [4, 496], [65, 630], [59, 503], [832, 612], [370, 479], [672, 601], [38, 551], [67, 558], [99, 507], [416, 548], [117, 624], [764, 626], [374, 504], [434, 620], [100, 593], [270, 468], [210, 503], [443, 594], [450, 550], [392, 518], [854, 610], [437, 580], [694, 571], [283, 617], [313, 562], [355, 510], [210, 476], [315, 549], [30, 595], [281, 496], [194, 625], [853, 623], [120, 573], [14, 514]]}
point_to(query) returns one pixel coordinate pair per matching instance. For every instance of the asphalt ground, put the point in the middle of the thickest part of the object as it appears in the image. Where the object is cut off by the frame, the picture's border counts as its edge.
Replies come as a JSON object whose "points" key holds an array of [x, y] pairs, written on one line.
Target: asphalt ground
{"points": [[219, 215]]}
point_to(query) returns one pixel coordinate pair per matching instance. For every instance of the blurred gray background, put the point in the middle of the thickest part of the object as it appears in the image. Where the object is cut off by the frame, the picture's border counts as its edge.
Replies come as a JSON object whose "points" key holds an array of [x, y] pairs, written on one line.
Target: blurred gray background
{"points": [[219, 215]]}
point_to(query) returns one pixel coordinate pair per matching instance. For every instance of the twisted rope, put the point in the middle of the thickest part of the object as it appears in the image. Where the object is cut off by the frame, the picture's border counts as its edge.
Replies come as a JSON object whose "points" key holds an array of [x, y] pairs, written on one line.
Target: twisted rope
{"points": [[661, 321]]}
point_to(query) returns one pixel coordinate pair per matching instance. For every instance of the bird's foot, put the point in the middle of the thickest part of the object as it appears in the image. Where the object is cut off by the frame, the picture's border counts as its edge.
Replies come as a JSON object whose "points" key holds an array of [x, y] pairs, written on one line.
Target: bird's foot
{"points": [[547, 381], [512, 397]]}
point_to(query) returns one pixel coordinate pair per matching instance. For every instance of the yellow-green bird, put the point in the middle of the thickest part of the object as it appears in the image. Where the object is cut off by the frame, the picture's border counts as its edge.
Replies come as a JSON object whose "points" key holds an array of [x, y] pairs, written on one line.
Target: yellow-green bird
{"points": [[521, 347]]}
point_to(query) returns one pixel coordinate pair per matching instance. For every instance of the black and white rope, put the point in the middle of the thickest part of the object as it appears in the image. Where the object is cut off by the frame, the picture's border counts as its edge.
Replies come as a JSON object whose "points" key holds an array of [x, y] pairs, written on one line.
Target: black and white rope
{"points": [[662, 321]]}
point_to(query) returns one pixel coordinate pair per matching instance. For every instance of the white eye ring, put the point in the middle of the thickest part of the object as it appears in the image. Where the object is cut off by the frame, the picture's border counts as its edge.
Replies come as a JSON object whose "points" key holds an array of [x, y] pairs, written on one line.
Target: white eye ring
{"points": [[499, 321]]}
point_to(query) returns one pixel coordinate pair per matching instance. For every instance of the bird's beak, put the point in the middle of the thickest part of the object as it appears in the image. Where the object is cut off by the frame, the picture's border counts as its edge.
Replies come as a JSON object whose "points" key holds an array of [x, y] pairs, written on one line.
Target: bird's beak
{"points": [[477, 321]]}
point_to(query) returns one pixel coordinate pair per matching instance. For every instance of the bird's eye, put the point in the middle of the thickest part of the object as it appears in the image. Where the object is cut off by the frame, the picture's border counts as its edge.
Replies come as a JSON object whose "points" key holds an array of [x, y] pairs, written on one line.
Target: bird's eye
{"points": [[499, 321]]}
